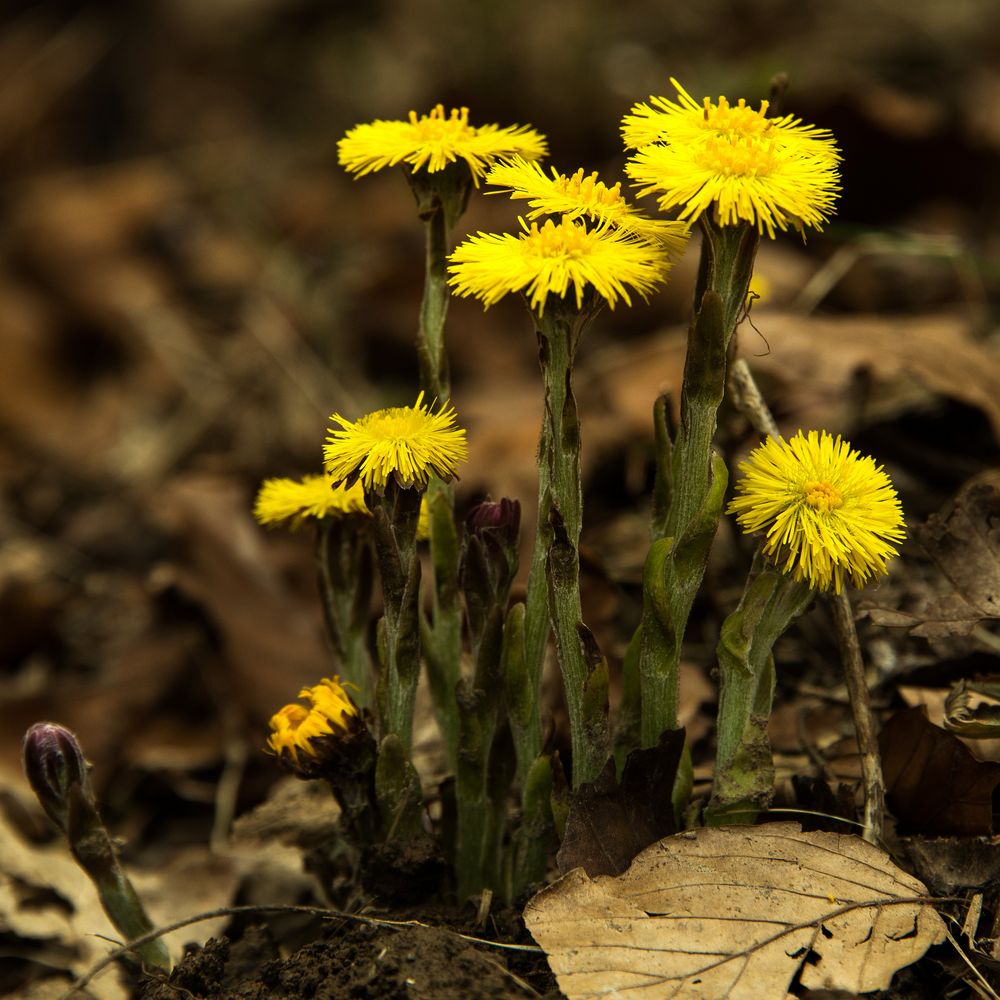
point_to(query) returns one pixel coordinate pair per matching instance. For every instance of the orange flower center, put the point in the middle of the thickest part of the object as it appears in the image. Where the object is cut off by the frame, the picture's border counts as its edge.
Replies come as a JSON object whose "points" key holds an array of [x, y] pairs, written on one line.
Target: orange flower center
{"points": [[823, 497]]}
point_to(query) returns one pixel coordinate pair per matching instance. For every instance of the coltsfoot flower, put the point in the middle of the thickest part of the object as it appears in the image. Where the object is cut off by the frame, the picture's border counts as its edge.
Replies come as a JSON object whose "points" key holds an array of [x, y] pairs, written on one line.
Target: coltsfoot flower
{"points": [[434, 141], [829, 512], [407, 444], [554, 257], [295, 500], [583, 196], [733, 160], [294, 728]]}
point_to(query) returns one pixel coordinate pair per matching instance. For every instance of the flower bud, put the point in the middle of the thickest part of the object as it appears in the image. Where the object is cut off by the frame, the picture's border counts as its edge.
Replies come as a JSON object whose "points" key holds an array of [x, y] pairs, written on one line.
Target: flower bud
{"points": [[54, 764], [489, 558]]}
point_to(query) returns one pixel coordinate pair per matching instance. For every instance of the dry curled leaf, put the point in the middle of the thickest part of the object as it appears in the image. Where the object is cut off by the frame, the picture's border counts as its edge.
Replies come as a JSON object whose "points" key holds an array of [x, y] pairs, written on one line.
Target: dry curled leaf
{"points": [[735, 912], [934, 784]]}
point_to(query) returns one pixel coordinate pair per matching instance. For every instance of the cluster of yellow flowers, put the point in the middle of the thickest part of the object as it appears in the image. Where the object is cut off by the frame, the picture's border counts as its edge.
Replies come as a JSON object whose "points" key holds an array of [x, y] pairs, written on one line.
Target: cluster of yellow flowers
{"points": [[828, 514], [730, 159]]}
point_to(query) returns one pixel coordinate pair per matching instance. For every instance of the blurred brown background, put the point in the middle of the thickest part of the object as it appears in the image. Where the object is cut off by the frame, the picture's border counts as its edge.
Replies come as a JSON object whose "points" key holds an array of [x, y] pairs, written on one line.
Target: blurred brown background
{"points": [[189, 285]]}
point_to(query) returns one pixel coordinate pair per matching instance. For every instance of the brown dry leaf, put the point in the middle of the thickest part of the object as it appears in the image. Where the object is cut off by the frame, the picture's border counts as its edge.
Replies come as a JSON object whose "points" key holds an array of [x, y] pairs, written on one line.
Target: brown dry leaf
{"points": [[733, 912], [610, 822], [812, 358], [934, 784], [964, 540]]}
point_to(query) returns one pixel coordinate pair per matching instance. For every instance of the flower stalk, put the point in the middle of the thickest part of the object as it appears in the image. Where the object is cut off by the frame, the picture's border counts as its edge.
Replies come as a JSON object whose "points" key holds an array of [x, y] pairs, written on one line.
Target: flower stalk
{"points": [[346, 575], [441, 198], [744, 771], [554, 581], [395, 511], [59, 775], [691, 477], [488, 566]]}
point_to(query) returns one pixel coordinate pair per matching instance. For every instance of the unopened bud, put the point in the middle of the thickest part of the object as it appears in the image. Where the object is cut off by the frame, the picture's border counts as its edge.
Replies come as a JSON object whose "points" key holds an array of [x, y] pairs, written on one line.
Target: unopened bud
{"points": [[54, 765], [489, 558]]}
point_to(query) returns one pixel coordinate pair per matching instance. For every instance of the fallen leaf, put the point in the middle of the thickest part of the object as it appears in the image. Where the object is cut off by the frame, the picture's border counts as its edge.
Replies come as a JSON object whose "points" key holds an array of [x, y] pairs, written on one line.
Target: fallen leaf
{"points": [[964, 540], [610, 823], [934, 784], [735, 913]]}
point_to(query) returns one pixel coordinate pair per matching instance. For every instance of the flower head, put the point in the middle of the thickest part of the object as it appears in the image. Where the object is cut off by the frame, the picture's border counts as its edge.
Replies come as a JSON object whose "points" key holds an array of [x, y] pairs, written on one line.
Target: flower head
{"points": [[405, 443], [295, 727], [828, 511], [583, 196], [770, 172], [549, 259], [434, 141], [294, 500]]}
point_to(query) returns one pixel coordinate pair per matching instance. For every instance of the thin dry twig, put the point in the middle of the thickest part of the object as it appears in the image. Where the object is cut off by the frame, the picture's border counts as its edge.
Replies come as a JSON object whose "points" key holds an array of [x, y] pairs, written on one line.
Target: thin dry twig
{"points": [[864, 720]]}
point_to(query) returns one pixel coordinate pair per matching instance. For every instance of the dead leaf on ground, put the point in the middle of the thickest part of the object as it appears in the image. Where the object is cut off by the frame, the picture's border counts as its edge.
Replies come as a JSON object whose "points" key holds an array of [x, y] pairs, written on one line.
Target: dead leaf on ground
{"points": [[735, 912], [964, 540], [609, 823], [812, 358], [934, 784]]}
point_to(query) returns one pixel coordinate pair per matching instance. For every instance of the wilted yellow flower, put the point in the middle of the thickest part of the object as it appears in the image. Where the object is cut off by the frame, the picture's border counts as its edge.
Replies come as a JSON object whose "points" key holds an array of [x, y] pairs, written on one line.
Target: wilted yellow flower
{"points": [[583, 196], [551, 258], [406, 443], [733, 160], [828, 511], [433, 141], [294, 500], [294, 727]]}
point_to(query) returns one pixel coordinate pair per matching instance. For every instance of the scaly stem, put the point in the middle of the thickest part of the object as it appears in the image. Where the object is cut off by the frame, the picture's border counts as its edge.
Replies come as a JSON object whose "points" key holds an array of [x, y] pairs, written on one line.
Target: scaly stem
{"points": [[441, 199], [344, 568], [691, 478], [395, 514], [744, 772], [557, 546]]}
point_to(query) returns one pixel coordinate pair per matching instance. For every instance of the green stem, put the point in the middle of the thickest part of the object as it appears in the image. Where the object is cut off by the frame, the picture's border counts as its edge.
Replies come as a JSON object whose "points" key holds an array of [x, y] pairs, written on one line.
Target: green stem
{"points": [[442, 632], [395, 514], [434, 309], [744, 772], [441, 198], [522, 695], [344, 568], [691, 478], [558, 540], [95, 854]]}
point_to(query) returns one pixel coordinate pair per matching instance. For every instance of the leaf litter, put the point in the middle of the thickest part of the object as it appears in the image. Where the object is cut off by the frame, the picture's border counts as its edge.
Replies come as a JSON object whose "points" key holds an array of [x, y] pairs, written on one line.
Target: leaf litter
{"points": [[736, 913]]}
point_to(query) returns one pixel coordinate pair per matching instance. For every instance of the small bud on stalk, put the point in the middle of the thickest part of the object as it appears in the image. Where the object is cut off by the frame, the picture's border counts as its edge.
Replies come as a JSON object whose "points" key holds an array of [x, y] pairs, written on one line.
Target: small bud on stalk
{"points": [[59, 775]]}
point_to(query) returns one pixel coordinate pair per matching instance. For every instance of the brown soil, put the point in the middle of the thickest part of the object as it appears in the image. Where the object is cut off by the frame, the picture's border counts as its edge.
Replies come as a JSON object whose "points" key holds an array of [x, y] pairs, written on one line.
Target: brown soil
{"points": [[354, 961]]}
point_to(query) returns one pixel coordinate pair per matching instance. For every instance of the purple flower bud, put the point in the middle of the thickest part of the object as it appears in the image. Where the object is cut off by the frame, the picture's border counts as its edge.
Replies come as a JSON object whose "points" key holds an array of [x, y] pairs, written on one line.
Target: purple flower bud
{"points": [[504, 514], [54, 764]]}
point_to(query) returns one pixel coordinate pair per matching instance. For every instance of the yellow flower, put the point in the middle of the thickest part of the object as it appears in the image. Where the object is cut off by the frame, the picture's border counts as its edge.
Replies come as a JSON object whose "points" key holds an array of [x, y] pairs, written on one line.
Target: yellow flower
{"points": [[405, 443], [294, 727], [434, 141], [548, 259], [733, 160], [582, 196], [828, 511], [294, 500]]}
